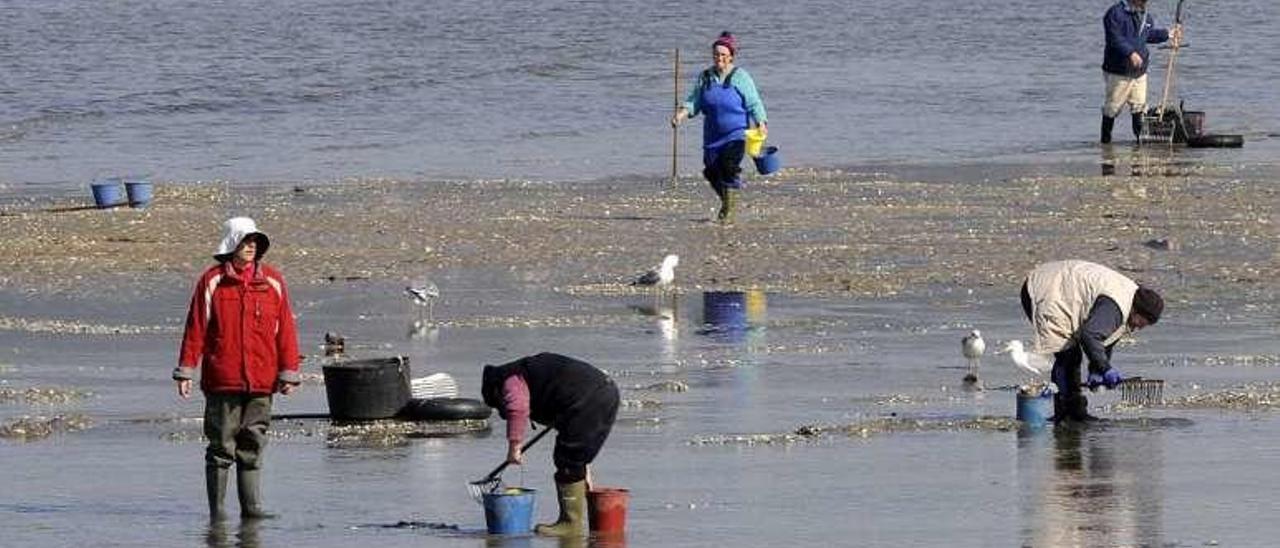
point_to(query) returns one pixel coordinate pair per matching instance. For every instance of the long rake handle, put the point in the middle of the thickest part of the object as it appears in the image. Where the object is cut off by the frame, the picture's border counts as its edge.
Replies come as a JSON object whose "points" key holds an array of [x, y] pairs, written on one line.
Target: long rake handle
{"points": [[503, 466]]}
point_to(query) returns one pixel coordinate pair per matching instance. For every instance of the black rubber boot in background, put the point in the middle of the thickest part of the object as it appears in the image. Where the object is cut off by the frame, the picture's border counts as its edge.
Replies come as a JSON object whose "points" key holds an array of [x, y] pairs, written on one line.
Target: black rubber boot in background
{"points": [[215, 484], [249, 487], [1108, 122], [1137, 126]]}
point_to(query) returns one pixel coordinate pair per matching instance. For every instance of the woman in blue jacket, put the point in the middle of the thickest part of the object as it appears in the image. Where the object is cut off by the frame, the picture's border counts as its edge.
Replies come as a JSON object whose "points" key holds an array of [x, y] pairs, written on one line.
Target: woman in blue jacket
{"points": [[727, 97]]}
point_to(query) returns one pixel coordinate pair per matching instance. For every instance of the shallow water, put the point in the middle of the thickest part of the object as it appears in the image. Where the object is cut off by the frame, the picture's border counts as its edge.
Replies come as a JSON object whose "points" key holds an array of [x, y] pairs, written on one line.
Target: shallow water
{"points": [[1166, 477], [289, 91]]}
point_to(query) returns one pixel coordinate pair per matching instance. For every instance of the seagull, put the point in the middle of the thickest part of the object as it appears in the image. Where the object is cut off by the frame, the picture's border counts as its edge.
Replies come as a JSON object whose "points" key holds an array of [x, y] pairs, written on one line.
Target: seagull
{"points": [[972, 347], [424, 296], [662, 275], [1031, 362]]}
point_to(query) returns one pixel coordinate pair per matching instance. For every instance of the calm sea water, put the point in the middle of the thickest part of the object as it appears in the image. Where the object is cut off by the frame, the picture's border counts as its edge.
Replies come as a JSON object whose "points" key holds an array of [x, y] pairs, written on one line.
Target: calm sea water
{"points": [[317, 90]]}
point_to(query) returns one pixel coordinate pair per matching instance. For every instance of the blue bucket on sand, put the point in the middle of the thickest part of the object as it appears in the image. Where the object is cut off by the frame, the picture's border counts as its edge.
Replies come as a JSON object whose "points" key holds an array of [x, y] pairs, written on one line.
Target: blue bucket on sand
{"points": [[107, 193], [1035, 410], [509, 511], [769, 161], [139, 191]]}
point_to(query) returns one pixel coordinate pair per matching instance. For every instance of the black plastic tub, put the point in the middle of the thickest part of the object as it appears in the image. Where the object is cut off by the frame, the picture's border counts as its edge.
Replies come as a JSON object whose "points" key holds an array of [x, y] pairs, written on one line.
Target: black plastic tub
{"points": [[367, 389]]}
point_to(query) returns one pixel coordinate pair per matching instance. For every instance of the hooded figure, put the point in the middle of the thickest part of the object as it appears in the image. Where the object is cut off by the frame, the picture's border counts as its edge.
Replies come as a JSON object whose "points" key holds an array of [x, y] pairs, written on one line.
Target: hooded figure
{"points": [[572, 396], [240, 329], [1078, 309]]}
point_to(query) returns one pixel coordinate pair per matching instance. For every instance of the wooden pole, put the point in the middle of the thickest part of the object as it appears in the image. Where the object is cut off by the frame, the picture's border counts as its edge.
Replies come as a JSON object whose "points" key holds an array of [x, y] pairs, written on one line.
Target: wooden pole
{"points": [[675, 130]]}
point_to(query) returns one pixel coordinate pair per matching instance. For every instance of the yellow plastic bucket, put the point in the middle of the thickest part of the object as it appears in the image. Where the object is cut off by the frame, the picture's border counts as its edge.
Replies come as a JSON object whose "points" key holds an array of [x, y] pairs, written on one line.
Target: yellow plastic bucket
{"points": [[755, 141]]}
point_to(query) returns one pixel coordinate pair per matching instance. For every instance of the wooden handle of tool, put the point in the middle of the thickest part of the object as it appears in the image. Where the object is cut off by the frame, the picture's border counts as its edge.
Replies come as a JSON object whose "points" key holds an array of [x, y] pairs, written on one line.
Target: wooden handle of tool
{"points": [[526, 447]]}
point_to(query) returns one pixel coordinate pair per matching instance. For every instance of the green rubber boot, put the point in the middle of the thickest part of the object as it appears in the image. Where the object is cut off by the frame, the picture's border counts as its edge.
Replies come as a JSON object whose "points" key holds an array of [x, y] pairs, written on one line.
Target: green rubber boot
{"points": [[248, 486], [728, 202], [573, 511], [215, 485]]}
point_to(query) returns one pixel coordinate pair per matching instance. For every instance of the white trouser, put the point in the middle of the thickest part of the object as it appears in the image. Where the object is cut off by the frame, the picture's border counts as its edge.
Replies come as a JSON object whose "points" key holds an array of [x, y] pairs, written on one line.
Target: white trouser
{"points": [[1122, 90]]}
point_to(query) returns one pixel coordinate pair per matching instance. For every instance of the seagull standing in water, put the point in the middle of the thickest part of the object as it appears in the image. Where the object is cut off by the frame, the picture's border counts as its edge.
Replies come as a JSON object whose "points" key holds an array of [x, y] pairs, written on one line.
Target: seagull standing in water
{"points": [[424, 296], [662, 276], [1031, 362], [972, 347]]}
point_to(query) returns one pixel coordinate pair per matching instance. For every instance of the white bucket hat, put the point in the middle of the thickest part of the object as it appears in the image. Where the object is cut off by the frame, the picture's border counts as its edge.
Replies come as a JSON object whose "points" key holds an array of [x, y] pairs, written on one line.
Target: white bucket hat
{"points": [[234, 231]]}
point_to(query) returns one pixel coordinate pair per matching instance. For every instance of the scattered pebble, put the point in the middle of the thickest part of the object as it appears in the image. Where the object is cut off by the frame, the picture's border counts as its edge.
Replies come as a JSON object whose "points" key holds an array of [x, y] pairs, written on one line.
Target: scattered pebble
{"points": [[36, 428]]}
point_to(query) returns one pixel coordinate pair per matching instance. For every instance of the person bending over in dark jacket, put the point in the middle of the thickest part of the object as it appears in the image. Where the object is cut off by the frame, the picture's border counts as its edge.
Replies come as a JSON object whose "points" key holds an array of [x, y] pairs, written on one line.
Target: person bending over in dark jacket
{"points": [[572, 396]]}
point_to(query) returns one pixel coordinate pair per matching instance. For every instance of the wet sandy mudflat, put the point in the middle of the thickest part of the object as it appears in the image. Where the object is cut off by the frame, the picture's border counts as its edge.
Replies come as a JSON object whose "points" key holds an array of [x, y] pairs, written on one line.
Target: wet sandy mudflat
{"points": [[1203, 230], [837, 417]]}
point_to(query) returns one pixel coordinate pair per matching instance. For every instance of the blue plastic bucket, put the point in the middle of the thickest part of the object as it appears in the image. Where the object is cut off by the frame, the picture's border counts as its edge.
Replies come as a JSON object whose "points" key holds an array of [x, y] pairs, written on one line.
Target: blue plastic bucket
{"points": [[139, 191], [107, 193], [769, 161], [1035, 410], [509, 511]]}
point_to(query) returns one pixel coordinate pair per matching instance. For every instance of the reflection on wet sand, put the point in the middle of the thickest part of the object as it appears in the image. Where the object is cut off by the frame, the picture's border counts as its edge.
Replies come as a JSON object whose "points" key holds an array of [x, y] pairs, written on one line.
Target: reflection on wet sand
{"points": [[1082, 486], [222, 535]]}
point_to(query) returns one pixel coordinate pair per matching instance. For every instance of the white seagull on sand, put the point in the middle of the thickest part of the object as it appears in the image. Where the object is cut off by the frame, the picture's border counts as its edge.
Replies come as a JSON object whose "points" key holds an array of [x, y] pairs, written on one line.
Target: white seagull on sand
{"points": [[1031, 362], [425, 296], [662, 276], [972, 347]]}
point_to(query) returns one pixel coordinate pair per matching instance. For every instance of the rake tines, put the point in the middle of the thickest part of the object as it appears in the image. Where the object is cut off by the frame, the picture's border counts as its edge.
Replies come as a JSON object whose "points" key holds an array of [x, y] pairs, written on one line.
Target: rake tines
{"points": [[1145, 392]]}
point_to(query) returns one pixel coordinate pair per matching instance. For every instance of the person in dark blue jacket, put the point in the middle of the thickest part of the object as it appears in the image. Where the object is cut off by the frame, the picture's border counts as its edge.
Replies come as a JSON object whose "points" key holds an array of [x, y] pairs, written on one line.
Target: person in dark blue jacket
{"points": [[1124, 64], [727, 97]]}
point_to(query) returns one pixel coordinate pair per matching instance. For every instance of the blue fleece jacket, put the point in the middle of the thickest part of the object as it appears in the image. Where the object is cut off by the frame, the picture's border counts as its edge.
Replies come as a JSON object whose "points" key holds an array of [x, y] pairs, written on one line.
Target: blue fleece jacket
{"points": [[1129, 30]]}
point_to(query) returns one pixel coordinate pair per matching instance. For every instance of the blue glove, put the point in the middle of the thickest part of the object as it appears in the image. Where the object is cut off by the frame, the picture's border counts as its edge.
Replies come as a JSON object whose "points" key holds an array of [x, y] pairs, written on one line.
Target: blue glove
{"points": [[1109, 378]]}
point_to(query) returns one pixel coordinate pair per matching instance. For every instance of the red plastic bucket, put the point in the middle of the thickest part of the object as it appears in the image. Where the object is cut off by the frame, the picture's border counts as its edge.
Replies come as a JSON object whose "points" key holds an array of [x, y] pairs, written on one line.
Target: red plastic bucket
{"points": [[607, 509]]}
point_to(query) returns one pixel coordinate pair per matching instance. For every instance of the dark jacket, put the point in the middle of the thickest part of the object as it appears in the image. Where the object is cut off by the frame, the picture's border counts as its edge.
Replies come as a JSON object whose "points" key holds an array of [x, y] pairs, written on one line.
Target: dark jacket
{"points": [[1129, 30], [557, 384]]}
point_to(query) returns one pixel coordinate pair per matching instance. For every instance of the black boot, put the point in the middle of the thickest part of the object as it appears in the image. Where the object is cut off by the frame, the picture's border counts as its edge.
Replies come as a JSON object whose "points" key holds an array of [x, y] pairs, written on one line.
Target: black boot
{"points": [[248, 486], [1108, 122], [215, 484], [1137, 125]]}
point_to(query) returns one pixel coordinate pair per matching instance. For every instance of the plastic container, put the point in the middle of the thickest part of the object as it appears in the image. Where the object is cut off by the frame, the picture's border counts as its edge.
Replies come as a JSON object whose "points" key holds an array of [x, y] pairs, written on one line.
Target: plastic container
{"points": [[607, 510], [107, 193], [755, 141], [367, 389], [139, 191], [1193, 123], [510, 511], [1034, 410], [769, 161]]}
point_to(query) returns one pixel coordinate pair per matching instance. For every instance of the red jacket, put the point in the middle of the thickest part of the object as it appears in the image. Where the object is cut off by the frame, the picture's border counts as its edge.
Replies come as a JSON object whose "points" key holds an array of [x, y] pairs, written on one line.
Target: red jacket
{"points": [[243, 333]]}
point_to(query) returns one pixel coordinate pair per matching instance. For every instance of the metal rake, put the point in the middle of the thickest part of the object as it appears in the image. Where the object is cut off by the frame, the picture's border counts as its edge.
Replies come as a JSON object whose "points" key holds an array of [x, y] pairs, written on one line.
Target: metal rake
{"points": [[1140, 391], [491, 482]]}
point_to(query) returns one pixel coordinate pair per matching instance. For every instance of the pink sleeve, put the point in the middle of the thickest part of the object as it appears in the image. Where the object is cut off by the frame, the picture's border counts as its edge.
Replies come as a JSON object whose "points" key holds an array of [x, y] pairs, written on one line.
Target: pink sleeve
{"points": [[515, 394]]}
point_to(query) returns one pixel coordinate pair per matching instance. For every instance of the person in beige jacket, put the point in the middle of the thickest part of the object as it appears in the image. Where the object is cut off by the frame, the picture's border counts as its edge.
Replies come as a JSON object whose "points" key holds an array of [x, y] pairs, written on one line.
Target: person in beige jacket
{"points": [[1078, 309]]}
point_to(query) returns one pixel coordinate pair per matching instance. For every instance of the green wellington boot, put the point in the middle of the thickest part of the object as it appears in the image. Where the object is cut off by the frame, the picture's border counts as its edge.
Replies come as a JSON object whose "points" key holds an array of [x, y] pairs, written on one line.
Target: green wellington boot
{"points": [[573, 511], [215, 484], [248, 483], [728, 202]]}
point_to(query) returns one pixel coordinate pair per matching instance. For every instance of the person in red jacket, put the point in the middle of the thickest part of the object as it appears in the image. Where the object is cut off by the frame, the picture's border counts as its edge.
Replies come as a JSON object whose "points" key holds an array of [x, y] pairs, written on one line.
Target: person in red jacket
{"points": [[240, 327]]}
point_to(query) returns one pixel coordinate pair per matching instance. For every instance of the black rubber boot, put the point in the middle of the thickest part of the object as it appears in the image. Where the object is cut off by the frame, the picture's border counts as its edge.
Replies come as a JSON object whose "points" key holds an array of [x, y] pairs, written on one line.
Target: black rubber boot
{"points": [[573, 511], [1137, 126], [1108, 122], [215, 485], [248, 486]]}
